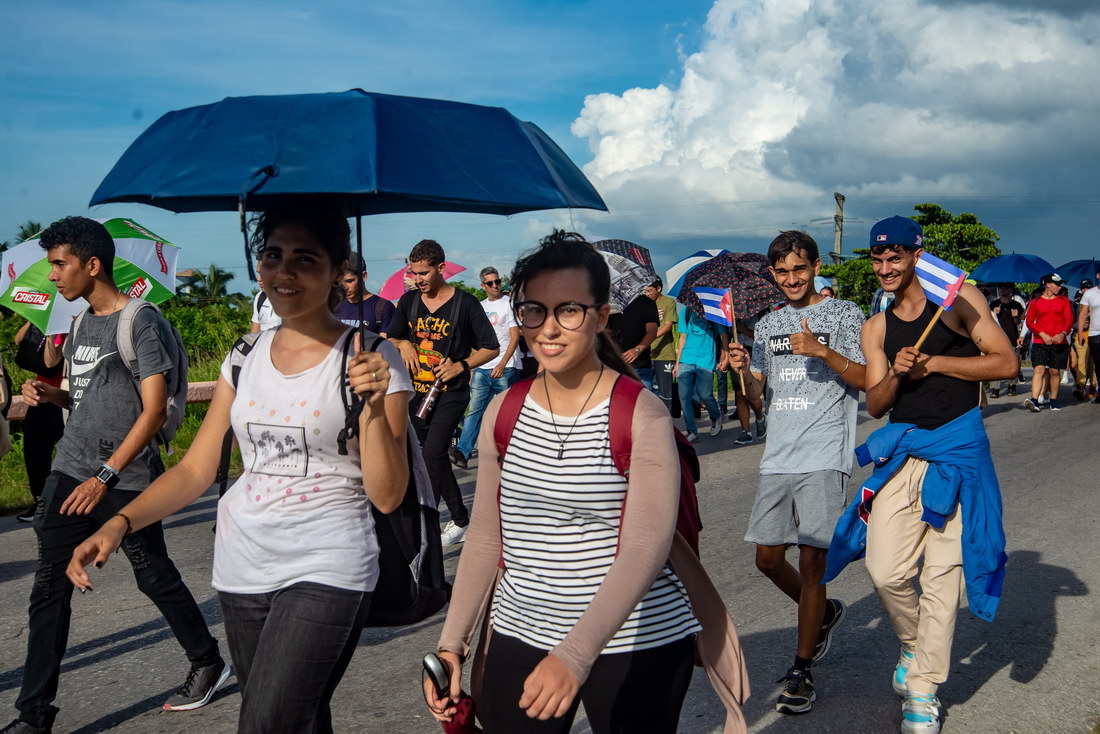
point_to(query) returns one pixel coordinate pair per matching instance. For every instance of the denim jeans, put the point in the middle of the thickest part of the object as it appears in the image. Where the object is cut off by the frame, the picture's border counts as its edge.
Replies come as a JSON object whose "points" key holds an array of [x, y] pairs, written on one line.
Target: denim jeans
{"points": [[483, 386], [51, 595], [663, 384], [645, 374], [698, 383], [290, 649]]}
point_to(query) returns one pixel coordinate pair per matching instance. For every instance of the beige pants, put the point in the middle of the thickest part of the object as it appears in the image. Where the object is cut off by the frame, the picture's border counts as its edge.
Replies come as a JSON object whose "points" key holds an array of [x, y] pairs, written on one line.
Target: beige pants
{"points": [[896, 540]]}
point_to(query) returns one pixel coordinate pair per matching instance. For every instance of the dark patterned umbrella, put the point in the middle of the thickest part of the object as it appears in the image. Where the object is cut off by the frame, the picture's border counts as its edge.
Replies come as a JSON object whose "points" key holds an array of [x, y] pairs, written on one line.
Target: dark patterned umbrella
{"points": [[752, 287], [629, 250]]}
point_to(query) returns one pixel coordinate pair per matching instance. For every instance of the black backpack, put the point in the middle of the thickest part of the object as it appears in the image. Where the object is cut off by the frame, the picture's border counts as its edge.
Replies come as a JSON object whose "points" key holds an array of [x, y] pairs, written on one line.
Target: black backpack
{"points": [[411, 585]]}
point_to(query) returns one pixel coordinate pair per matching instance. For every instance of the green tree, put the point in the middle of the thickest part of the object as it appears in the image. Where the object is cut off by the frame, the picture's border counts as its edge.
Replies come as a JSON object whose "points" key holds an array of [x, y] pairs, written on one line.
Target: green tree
{"points": [[211, 286], [961, 240], [26, 230]]}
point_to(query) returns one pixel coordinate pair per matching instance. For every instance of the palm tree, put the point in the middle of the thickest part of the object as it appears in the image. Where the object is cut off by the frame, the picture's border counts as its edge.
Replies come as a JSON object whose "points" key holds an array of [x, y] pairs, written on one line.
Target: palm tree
{"points": [[211, 286], [27, 230]]}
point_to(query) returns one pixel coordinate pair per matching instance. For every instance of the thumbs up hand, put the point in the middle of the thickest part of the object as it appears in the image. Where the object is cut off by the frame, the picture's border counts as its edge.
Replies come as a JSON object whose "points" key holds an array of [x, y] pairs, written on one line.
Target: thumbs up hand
{"points": [[805, 344]]}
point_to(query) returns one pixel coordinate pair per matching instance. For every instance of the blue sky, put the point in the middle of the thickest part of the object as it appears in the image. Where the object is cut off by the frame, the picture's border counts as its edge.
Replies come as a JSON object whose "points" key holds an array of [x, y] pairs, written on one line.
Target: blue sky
{"points": [[703, 123]]}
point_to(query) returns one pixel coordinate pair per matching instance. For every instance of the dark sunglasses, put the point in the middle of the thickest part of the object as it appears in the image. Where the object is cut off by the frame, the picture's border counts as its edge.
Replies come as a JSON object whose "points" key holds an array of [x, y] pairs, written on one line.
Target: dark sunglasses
{"points": [[496, 282]]}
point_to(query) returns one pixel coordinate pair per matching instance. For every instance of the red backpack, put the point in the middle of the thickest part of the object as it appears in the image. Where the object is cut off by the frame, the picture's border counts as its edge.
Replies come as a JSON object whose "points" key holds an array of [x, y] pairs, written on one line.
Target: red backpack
{"points": [[624, 395]]}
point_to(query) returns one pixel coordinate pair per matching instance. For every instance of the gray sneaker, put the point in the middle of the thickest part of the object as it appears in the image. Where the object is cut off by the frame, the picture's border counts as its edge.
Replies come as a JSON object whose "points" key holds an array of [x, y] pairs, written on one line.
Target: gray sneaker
{"points": [[201, 685], [744, 439], [761, 428]]}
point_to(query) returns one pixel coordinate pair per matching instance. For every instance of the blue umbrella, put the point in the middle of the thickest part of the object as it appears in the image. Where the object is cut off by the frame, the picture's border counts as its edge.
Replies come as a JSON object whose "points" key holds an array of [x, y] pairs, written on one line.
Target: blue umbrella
{"points": [[1012, 268], [1075, 271], [379, 153], [674, 276]]}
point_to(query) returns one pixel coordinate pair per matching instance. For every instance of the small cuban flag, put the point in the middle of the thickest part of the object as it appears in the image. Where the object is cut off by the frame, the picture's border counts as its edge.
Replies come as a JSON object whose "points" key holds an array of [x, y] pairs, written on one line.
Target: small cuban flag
{"points": [[940, 280], [717, 305]]}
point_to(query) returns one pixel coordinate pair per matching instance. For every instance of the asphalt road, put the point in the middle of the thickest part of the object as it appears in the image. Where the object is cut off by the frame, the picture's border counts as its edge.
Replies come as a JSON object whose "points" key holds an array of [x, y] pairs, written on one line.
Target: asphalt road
{"points": [[1033, 671]]}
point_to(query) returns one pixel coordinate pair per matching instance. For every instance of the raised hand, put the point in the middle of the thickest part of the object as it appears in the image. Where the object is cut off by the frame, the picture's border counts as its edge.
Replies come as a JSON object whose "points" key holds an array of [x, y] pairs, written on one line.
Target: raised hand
{"points": [[805, 344], [368, 373]]}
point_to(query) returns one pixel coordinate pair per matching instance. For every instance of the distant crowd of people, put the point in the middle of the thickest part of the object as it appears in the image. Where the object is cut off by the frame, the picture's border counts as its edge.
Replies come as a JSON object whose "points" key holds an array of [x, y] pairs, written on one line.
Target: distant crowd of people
{"points": [[579, 594]]}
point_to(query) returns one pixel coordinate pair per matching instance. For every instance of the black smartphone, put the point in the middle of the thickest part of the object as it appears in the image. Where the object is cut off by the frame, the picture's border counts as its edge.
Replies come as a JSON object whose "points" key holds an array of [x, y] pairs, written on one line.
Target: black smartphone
{"points": [[439, 673]]}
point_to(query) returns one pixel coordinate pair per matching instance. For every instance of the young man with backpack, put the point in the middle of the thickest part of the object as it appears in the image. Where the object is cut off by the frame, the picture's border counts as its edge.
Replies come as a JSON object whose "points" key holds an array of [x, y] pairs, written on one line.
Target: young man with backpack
{"points": [[124, 399], [808, 354], [377, 311]]}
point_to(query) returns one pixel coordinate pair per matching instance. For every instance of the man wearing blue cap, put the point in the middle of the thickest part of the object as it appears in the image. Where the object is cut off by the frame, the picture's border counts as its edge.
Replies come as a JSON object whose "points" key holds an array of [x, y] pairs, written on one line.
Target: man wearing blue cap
{"points": [[905, 511]]}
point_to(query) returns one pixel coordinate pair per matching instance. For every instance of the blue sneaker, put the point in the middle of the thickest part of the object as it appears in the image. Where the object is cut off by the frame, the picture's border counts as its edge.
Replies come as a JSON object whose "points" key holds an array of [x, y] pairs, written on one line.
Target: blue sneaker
{"points": [[920, 714], [1055, 405], [905, 659]]}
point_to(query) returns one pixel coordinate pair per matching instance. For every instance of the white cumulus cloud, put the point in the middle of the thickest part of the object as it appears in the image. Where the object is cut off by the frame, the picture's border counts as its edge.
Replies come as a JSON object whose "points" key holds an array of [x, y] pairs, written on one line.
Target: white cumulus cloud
{"points": [[788, 100]]}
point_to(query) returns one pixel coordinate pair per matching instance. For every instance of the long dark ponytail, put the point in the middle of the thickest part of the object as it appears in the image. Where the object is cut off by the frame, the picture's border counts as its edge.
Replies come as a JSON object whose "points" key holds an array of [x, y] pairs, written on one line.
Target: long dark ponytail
{"points": [[563, 250]]}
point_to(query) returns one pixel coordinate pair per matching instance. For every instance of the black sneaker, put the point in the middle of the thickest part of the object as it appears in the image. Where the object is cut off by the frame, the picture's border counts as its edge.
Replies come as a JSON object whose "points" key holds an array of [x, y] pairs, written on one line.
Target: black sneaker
{"points": [[27, 516], [744, 439], [1012, 389], [201, 685], [834, 614], [25, 727], [457, 458], [761, 428], [798, 694], [995, 392]]}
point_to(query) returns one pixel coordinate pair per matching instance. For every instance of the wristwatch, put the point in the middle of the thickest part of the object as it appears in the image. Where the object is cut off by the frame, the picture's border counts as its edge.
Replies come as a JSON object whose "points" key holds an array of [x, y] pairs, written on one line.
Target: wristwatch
{"points": [[637, 350], [107, 475]]}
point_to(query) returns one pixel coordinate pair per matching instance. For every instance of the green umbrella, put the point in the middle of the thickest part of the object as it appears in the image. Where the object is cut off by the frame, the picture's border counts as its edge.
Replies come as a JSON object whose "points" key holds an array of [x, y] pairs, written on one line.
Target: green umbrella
{"points": [[145, 267]]}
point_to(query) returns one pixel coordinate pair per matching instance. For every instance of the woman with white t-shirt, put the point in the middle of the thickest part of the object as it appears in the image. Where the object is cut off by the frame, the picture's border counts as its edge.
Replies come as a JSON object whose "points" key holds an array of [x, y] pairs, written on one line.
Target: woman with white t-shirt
{"points": [[295, 553]]}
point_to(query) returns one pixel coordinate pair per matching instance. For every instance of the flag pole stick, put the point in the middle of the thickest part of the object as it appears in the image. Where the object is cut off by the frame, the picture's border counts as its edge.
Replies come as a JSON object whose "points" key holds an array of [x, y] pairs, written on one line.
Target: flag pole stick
{"points": [[927, 329], [740, 374]]}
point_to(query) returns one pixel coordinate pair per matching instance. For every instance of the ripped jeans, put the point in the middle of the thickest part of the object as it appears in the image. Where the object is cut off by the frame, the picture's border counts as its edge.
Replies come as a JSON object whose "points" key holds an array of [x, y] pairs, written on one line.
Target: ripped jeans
{"points": [[51, 595]]}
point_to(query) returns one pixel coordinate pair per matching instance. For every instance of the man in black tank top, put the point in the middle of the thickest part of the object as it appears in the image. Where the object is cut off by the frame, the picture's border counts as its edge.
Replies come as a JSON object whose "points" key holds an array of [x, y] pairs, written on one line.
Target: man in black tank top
{"points": [[929, 388]]}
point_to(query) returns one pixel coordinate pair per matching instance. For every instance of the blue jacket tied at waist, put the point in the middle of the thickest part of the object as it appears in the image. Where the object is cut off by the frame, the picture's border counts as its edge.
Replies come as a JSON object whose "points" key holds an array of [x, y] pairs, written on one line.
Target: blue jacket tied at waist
{"points": [[960, 474]]}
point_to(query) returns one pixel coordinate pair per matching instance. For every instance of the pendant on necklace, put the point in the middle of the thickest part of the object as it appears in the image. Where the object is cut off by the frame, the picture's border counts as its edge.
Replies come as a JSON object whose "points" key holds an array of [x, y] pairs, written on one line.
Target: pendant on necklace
{"points": [[561, 451]]}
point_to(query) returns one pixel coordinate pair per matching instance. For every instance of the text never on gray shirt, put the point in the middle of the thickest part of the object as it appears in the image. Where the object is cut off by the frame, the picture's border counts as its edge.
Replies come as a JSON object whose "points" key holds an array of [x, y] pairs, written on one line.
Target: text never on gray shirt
{"points": [[106, 402], [811, 410]]}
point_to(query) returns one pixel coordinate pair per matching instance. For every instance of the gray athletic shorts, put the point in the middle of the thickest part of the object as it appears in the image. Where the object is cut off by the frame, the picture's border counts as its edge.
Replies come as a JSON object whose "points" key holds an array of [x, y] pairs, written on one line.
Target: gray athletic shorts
{"points": [[797, 509]]}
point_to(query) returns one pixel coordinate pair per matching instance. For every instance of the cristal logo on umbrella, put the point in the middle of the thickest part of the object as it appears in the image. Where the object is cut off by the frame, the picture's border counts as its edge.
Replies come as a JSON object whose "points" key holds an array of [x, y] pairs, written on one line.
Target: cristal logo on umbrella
{"points": [[11, 270], [139, 288], [33, 298]]}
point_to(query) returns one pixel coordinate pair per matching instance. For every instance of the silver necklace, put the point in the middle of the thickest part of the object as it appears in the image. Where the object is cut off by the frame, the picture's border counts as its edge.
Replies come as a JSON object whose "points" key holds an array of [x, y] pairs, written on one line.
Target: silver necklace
{"points": [[554, 423]]}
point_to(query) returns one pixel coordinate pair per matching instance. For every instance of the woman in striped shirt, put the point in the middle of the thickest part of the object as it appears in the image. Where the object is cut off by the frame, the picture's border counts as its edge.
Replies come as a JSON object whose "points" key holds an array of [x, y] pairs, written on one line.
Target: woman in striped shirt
{"points": [[587, 607]]}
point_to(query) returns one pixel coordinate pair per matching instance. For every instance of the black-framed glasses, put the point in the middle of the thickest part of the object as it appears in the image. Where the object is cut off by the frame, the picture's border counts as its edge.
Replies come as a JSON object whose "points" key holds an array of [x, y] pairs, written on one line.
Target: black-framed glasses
{"points": [[492, 283], [569, 315]]}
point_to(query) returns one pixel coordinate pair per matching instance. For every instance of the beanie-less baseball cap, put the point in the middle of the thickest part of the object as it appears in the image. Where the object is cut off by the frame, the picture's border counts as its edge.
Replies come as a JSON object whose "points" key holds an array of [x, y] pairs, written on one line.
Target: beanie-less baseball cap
{"points": [[1086, 283], [1052, 278], [897, 231]]}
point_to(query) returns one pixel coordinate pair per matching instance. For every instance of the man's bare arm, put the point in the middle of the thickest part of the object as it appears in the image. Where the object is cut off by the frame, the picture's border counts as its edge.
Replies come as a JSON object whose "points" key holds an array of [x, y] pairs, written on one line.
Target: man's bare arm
{"points": [[882, 382], [998, 360]]}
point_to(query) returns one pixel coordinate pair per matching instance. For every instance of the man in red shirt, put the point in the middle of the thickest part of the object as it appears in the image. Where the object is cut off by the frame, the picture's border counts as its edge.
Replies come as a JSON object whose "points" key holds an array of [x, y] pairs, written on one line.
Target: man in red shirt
{"points": [[1050, 319]]}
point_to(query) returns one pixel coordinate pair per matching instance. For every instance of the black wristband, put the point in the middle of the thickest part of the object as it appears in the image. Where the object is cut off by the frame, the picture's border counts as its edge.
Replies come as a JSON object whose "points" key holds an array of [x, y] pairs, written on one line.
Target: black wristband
{"points": [[129, 527], [465, 365]]}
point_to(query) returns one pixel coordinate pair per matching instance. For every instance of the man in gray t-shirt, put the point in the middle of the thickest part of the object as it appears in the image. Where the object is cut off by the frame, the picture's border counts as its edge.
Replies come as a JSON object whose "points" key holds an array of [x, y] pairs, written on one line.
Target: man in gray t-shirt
{"points": [[808, 356], [107, 449]]}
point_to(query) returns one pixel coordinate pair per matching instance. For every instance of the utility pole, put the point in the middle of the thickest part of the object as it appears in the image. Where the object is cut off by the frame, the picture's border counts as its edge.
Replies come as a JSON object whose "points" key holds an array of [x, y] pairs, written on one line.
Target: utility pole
{"points": [[838, 227]]}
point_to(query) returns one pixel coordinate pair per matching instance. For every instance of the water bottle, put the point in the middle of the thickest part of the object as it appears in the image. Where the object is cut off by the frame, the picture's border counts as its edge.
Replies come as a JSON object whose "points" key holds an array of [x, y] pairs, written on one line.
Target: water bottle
{"points": [[427, 403]]}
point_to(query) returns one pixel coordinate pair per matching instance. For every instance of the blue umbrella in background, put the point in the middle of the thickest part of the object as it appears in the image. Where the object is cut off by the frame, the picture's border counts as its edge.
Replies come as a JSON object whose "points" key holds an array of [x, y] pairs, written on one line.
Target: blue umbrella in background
{"points": [[1012, 268], [1075, 271], [674, 276], [374, 153]]}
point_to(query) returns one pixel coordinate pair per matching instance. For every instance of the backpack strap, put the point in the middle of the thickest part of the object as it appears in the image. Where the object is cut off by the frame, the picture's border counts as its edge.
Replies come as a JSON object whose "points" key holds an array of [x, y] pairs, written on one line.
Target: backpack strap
{"points": [[508, 416], [353, 404], [237, 355], [125, 334], [624, 396], [261, 300], [379, 307]]}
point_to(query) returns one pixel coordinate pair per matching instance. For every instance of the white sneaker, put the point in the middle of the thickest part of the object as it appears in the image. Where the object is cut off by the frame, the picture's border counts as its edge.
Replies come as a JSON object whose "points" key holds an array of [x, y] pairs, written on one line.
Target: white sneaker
{"points": [[692, 436], [920, 714], [453, 534], [905, 659], [716, 427]]}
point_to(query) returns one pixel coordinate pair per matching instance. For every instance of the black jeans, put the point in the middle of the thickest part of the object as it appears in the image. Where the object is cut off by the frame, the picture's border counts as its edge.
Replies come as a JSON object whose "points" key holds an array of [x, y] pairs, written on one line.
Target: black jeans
{"points": [[42, 429], [52, 593], [662, 381], [1094, 353], [435, 435], [290, 649], [625, 693]]}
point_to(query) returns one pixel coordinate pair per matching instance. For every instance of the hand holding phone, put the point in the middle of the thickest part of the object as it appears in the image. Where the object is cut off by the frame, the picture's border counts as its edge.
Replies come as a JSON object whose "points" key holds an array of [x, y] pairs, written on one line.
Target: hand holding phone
{"points": [[439, 673]]}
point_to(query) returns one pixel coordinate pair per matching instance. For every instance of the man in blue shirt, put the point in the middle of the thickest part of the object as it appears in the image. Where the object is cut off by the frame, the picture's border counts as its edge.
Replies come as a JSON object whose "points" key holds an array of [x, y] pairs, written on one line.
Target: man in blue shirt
{"points": [[701, 343]]}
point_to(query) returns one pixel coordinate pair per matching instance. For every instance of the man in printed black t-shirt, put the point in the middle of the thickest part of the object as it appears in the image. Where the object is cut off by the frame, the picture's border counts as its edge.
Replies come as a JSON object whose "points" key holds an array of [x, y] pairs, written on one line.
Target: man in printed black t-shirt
{"points": [[107, 453], [1009, 312], [442, 334]]}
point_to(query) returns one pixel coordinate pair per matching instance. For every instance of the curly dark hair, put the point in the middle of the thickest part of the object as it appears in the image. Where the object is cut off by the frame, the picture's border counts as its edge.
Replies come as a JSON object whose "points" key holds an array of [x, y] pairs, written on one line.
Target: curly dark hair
{"points": [[321, 217], [85, 238], [428, 251]]}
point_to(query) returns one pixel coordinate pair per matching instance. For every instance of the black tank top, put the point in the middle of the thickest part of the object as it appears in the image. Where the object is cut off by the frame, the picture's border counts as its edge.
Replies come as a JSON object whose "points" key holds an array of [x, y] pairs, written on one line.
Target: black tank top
{"points": [[937, 399]]}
